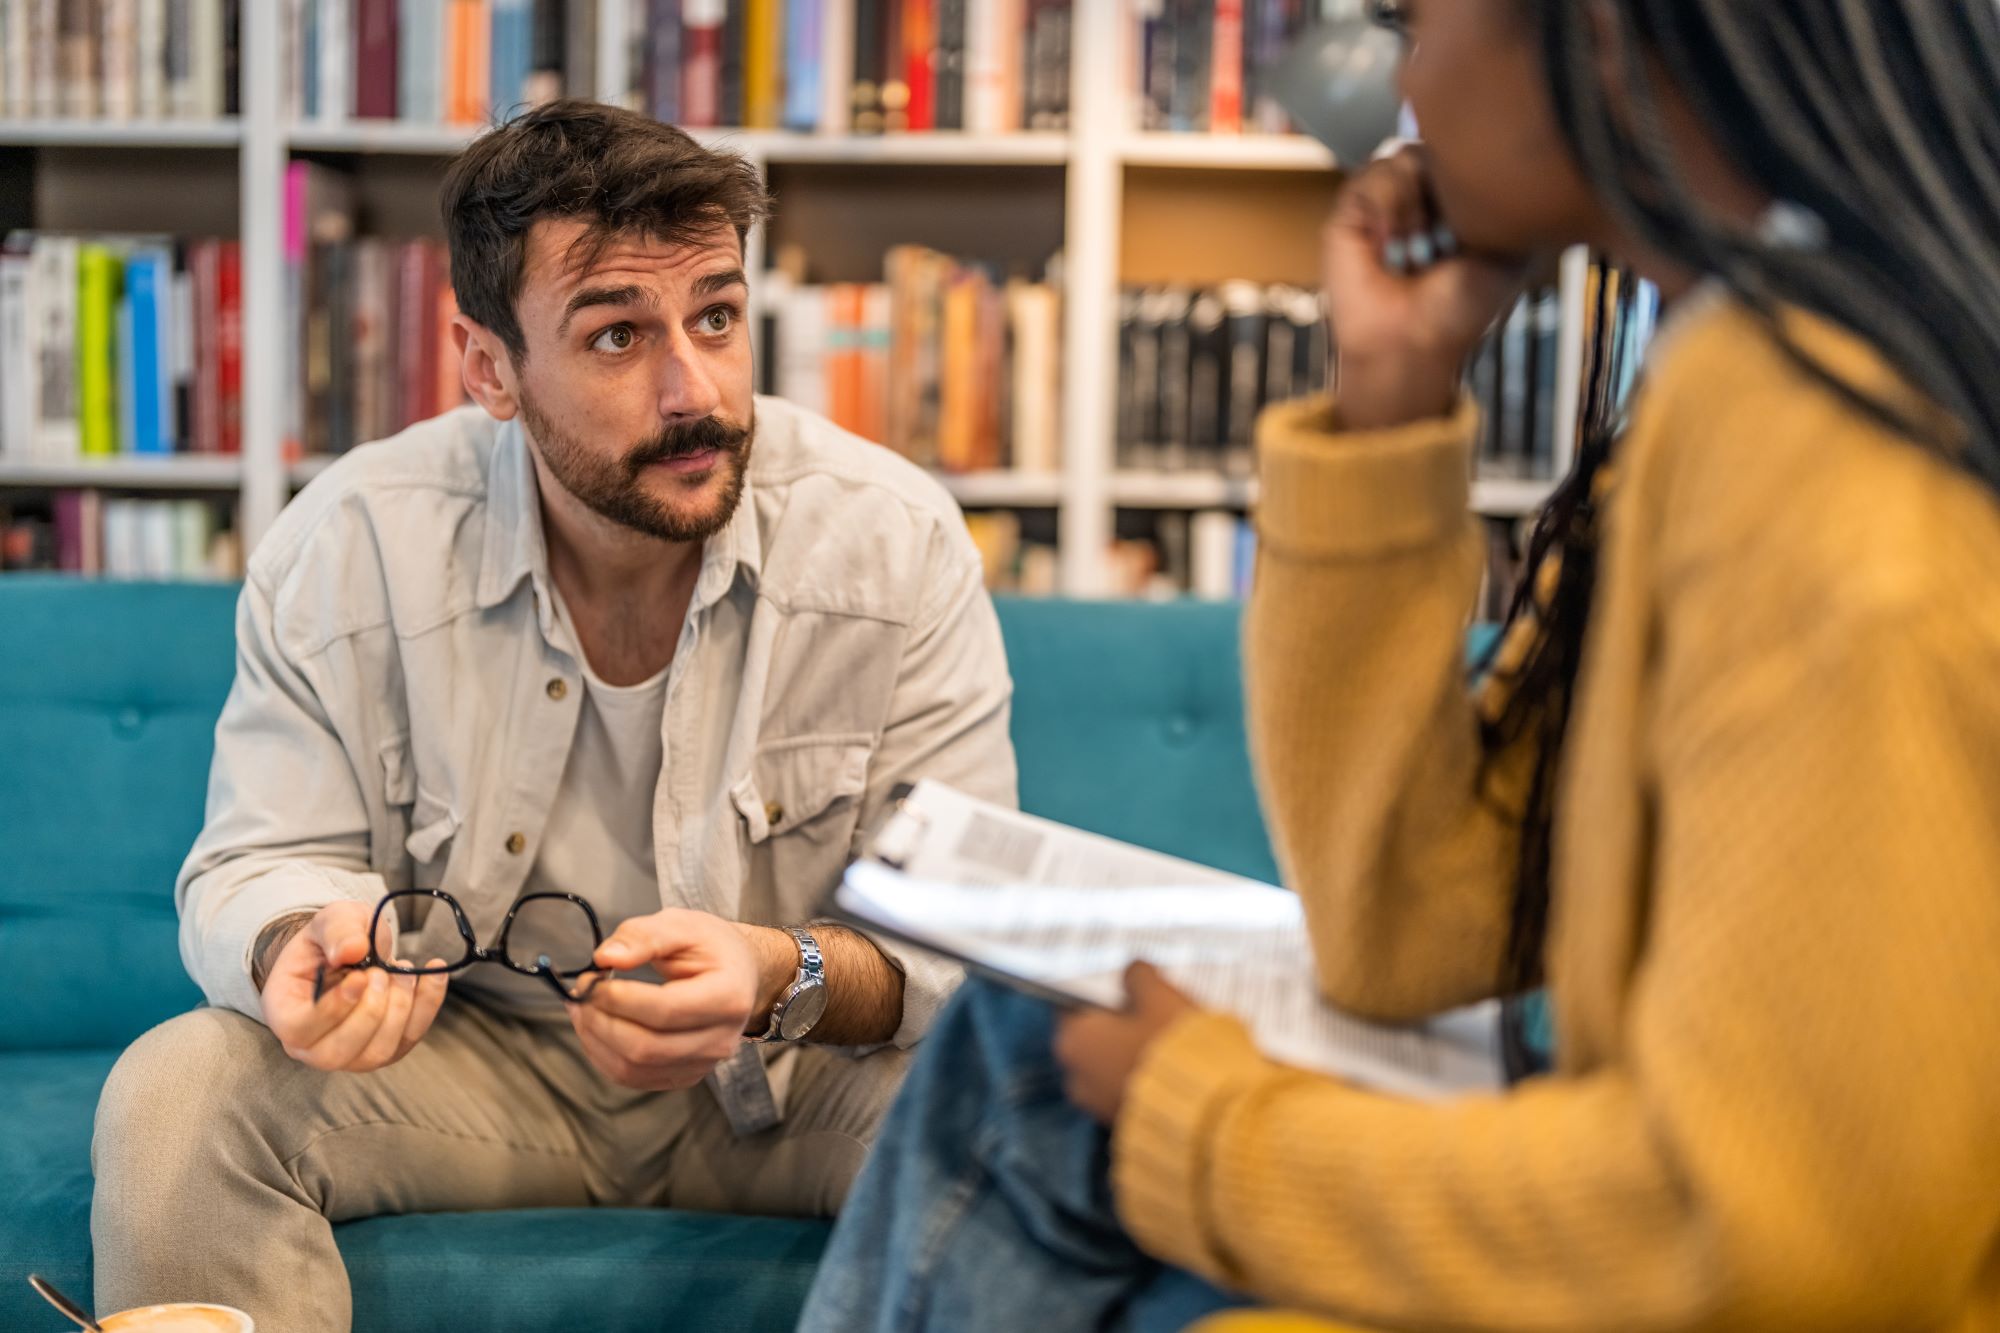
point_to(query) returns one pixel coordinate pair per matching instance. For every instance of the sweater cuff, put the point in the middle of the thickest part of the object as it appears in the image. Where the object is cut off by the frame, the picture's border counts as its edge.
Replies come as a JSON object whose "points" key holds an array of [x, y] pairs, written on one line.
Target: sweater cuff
{"points": [[1328, 494], [1162, 1152]]}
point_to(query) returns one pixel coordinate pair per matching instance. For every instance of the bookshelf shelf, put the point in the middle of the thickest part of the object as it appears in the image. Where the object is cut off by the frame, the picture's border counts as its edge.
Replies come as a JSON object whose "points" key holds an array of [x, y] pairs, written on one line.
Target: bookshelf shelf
{"points": [[1498, 497], [176, 472], [305, 469], [1004, 490], [121, 134], [389, 136], [1235, 152]]}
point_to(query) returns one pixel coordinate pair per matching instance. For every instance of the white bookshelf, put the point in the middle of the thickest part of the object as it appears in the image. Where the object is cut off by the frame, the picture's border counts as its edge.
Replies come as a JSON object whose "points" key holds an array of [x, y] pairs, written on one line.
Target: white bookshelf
{"points": [[168, 472], [1094, 157], [224, 133]]}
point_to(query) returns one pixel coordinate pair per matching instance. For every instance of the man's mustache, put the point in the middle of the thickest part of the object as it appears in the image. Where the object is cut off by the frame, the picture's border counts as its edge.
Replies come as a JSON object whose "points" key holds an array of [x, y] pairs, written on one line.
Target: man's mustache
{"points": [[695, 437]]}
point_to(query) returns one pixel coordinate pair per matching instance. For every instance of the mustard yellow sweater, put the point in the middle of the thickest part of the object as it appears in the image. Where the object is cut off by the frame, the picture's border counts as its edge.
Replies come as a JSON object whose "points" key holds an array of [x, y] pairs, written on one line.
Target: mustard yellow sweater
{"points": [[1775, 960]]}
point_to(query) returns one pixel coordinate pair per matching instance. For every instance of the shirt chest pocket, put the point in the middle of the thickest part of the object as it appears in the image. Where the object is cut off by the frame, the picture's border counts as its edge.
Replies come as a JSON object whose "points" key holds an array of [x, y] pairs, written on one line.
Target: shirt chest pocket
{"points": [[798, 808], [414, 848]]}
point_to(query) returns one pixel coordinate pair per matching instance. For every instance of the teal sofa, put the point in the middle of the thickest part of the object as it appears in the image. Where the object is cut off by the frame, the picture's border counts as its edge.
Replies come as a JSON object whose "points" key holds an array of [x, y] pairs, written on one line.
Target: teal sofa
{"points": [[1127, 719]]}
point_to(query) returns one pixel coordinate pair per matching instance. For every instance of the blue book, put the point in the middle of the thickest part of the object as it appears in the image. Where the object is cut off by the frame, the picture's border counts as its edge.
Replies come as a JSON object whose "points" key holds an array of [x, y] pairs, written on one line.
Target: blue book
{"points": [[420, 55], [309, 28], [148, 294], [513, 55], [802, 60]]}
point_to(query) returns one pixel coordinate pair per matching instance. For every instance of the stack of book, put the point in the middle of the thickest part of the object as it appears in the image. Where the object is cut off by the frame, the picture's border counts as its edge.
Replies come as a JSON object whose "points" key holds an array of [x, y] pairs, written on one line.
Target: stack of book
{"points": [[1196, 367], [1018, 551], [118, 59], [371, 318], [1160, 556], [435, 62], [1204, 66], [861, 66], [947, 363], [119, 344], [84, 532]]}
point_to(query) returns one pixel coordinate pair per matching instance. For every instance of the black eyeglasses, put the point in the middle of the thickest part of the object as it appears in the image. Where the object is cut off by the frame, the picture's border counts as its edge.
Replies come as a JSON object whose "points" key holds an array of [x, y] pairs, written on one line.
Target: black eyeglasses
{"points": [[561, 928]]}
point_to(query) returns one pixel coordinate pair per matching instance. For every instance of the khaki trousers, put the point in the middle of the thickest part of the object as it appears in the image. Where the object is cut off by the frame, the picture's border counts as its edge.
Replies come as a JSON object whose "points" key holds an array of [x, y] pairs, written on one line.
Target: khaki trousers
{"points": [[221, 1163]]}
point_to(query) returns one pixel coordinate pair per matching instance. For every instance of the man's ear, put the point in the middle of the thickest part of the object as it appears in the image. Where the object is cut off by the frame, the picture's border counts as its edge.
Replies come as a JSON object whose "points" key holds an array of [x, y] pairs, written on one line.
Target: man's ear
{"points": [[486, 368]]}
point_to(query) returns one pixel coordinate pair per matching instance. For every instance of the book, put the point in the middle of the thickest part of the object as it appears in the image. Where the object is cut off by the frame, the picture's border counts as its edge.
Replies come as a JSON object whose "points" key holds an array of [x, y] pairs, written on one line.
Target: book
{"points": [[666, 97], [53, 310], [763, 63], [376, 36], [1225, 89], [548, 53], [511, 48], [1047, 65], [729, 79], [18, 372], [468, 57], [1060, 914], [117, 70], [147, 382], [44, 23], [150, 22], [895, 85], [420, 50], [805, 49], [77, 46], [336, 58], [580, 52], [871, 66], [838, 22], [701, 63], [1034, 316], [917, 59]]}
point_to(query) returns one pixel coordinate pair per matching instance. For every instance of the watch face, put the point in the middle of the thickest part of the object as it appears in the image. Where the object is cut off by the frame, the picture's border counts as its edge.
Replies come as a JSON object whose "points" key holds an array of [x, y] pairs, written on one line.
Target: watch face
{"points": [[802, 1013]]}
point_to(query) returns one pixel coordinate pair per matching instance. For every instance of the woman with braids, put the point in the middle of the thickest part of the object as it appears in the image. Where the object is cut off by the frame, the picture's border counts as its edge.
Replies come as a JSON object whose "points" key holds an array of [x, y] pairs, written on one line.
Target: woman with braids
{"points": [[1732, 790]]}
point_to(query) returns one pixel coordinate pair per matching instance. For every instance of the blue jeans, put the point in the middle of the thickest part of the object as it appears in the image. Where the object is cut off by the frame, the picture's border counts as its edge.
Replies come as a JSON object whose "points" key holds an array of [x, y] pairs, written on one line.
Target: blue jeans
{"points": [[986, 1204]]}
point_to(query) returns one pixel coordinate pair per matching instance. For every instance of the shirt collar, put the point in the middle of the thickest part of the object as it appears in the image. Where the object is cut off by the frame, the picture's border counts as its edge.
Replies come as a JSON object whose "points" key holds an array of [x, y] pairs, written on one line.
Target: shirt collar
{"points": [[516, 548]]}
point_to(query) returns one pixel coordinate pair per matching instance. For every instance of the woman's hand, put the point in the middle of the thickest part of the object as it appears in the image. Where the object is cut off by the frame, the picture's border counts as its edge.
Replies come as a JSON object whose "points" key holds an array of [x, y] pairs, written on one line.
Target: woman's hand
{"points": [[1100, 1050], [1407, 307]]}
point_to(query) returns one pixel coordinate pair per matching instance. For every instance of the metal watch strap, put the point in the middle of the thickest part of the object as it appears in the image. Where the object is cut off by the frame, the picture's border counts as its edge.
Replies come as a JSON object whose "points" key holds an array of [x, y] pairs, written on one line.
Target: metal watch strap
{"points": [[812, 969]]}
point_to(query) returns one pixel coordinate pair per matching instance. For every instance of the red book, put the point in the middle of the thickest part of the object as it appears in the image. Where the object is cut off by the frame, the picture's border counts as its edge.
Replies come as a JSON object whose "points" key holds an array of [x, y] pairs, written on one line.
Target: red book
{"points": [[229, 347], [920, 61], [1225, 103], [375, 24], [413, 297], [701, 64]]}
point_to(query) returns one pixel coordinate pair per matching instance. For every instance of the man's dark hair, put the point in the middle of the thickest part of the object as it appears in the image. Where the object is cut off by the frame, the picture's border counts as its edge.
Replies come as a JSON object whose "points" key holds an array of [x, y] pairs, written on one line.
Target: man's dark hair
{"points": [[622, 173]]}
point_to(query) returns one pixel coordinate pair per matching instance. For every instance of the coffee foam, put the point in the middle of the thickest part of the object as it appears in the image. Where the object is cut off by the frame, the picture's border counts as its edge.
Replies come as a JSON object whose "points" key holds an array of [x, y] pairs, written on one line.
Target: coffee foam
{"points": [[179, 1319]]}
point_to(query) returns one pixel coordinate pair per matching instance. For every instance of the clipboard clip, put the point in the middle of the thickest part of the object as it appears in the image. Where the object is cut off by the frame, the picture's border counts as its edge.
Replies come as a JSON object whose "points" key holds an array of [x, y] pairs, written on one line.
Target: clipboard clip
{"points": [[897, 831]]}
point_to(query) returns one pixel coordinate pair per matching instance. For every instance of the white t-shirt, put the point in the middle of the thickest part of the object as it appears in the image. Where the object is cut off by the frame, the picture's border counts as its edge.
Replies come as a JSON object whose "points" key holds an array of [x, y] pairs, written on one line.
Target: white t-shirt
{"points": [[598, 844]]}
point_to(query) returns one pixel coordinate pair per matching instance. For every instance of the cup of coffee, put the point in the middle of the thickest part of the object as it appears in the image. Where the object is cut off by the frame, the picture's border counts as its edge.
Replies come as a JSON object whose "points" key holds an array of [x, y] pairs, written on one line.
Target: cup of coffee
{"points": [[180, 1318]]}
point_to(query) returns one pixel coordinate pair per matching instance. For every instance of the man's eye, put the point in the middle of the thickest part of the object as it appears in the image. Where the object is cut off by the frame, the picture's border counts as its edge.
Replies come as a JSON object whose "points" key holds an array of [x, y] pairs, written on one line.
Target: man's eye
{"points": [[719, 320], [617, 338]]}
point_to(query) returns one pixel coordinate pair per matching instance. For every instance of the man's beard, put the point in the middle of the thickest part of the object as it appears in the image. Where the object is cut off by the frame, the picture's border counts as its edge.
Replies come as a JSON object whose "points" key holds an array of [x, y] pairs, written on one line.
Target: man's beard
{"points": [[612, 487]]}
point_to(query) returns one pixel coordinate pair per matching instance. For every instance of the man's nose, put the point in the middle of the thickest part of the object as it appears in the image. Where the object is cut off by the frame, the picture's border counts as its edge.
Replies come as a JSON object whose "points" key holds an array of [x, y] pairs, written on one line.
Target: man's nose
{"points": [[688, 390]]}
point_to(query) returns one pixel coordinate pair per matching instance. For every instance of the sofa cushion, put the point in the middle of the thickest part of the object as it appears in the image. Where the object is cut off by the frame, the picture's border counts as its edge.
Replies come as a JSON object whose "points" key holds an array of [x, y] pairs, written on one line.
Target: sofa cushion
{"points": [[108, 699], [540, 1269], [1128, 721]]}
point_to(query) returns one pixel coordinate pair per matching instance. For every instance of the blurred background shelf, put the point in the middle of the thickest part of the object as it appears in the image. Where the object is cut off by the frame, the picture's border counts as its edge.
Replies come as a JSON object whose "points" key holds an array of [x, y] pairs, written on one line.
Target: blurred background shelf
{"points": [[173, 472], [225, 133], [1229, 152], [1495, 497]]}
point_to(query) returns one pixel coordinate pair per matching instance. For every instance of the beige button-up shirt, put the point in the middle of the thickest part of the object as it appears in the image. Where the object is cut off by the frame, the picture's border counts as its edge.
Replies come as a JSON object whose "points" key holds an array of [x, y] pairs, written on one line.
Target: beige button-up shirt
{"points": [[406, 699]]}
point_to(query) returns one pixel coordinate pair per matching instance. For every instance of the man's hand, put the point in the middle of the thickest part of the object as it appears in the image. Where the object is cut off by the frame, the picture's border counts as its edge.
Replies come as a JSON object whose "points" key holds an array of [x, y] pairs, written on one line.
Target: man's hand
{"points": [[368, 1020], [1100, 1051], [665, 1038]]}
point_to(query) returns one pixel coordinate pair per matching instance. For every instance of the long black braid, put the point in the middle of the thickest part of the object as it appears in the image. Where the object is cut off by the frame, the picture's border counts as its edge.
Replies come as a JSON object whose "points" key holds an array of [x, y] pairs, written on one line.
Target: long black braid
{"points": [[1876, 125]]}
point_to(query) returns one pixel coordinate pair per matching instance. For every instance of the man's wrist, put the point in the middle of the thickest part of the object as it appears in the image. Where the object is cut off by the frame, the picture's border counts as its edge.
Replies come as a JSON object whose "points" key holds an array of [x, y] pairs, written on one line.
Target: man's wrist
{"points": [[271, 942], [778, 964]]}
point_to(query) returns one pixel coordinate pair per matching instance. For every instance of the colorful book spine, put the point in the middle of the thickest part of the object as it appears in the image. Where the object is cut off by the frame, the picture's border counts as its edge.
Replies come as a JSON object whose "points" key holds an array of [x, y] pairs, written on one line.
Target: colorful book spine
{"points": [[763, 63], [229, 348], [836, 65], [805, 44], [420, 48], [98, 282], [665, 99], [512, 55], [149, 291], [701, 63], [336, 58], [469, 87], [376, 38], [1225, 107], [918, 62]]}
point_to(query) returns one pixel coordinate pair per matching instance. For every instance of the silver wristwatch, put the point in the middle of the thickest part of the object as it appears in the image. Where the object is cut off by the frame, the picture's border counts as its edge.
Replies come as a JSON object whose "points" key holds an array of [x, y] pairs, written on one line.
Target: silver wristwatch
{"points": [[804, 1001]]}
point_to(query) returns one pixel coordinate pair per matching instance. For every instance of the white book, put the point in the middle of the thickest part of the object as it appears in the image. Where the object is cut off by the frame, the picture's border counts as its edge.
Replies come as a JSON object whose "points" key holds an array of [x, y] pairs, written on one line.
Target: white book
{"points": [[336, 61], [1034, 313], [13, 60], [205, 61], [152, 57], [1213, 558], [613, 76], [121, 539], [1061, 913], [52, 326], [155, 553], [802, 346], [194, 527], [836, 67], [44, 60], [118, 57], [17, 358], [420, 62]]}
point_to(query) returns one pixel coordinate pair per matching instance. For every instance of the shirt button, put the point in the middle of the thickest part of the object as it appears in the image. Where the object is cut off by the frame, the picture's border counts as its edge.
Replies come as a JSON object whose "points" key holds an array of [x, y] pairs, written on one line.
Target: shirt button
{"points": [[558, 689], [516, 844], [774, 814]]}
